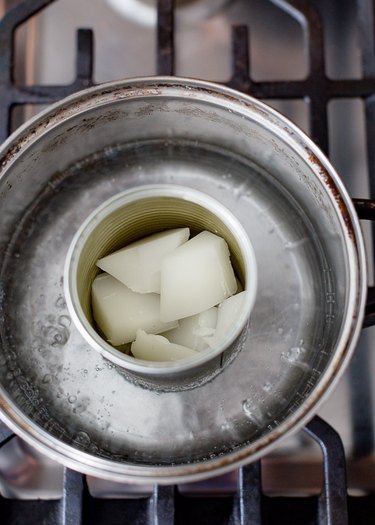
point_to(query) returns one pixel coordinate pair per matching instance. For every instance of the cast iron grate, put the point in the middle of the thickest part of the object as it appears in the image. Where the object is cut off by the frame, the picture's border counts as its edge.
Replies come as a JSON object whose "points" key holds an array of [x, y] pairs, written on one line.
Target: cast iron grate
{"points": [[249, 505], [167, 506]]}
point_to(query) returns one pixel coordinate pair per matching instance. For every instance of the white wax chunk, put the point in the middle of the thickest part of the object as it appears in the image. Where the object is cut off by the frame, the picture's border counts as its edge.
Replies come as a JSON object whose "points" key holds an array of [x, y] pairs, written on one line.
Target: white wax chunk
{"points": [[158, 348], [195, 277], [138, 264], [227, 315], [191, 331], [119, 311]]}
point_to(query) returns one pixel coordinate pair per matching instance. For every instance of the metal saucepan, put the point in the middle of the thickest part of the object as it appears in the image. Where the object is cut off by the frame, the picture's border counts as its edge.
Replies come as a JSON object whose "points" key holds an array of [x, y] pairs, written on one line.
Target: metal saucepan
{"points": [[62, 396]]}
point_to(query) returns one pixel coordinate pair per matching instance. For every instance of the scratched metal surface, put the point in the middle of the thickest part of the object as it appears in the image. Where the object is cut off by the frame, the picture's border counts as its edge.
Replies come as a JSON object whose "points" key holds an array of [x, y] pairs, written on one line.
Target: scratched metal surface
{"points": [[63, 386]]}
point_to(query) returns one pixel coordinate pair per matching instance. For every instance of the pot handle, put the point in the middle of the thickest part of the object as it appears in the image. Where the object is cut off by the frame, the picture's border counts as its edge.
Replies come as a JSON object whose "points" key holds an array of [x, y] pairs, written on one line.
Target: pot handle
{"points": [[366, 211]]}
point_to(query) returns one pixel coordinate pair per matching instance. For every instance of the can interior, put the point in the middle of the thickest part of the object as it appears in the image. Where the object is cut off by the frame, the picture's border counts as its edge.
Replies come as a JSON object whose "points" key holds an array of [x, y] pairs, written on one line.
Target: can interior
{"points": [[144, 217]]}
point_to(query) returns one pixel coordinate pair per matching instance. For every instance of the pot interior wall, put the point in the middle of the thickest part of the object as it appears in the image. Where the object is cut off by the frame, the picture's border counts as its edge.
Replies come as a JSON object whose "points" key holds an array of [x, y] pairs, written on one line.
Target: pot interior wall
{"points": [[62, 385]]}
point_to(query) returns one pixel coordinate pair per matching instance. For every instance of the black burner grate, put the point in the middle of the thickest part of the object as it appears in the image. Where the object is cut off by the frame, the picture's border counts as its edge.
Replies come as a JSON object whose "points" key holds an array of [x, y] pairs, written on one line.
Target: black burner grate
{"points": [[12, 95], [249, 506], [167, 506]]}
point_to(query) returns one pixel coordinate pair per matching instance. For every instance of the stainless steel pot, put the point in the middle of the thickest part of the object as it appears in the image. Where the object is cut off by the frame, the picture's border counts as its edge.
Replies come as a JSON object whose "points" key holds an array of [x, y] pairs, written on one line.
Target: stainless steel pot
{"points": [[60, 395]]}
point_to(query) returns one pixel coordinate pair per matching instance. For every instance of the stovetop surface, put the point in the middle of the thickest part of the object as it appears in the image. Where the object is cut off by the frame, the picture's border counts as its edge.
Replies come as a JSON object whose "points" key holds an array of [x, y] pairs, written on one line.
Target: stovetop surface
{"points": [[125, 37]]}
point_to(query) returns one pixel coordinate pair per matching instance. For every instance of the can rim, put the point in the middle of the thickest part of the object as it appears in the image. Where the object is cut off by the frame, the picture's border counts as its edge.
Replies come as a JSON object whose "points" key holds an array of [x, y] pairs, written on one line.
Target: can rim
{"points": [[88, 227]]}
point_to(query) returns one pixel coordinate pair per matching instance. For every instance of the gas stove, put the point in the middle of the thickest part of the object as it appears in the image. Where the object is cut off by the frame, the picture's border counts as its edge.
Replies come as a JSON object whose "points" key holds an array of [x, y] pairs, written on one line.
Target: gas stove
{"points": [[315, 63]]}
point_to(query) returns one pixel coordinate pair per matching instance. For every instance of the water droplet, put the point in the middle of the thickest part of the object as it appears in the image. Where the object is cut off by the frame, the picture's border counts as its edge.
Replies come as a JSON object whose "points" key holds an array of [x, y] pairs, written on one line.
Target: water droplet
{"points": [[55, 335], [47, 378], [72, 399], [253, 412], [60, 393], [60, 303], [267, 387], [82, 438], [246, 407], [64, 320], [294, 355]]}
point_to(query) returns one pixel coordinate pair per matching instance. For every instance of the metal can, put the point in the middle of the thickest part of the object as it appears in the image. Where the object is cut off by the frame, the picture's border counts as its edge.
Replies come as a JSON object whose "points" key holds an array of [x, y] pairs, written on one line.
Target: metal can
{"points": [[133, 215]]}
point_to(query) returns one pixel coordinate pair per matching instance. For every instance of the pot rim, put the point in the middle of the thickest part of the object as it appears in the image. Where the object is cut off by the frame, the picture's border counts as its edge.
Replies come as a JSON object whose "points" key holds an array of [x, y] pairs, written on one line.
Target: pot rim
{"points": [[243, 104]]}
